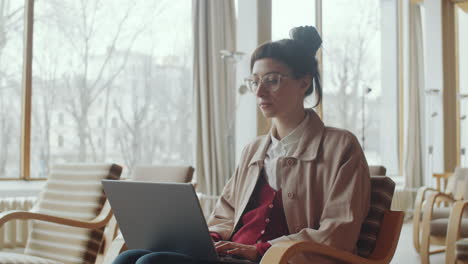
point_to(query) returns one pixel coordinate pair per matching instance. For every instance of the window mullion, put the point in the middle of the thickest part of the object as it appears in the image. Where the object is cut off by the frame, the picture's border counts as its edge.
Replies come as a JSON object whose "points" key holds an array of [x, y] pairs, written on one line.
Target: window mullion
{"points": [[27, 92], [319, 27]]}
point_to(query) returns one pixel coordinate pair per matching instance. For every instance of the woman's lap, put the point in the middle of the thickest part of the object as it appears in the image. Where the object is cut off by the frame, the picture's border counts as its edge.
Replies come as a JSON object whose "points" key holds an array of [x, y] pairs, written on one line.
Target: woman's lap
{"points": [[141, 256]]}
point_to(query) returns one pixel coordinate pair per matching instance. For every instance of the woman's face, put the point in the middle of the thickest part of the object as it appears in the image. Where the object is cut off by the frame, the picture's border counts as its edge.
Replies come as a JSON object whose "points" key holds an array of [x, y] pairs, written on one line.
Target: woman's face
{"points": [[288, 98]]}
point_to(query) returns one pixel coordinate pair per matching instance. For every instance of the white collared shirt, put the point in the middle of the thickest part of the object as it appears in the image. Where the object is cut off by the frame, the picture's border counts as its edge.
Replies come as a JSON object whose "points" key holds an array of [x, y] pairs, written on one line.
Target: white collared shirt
{"points": [[281, 148]]}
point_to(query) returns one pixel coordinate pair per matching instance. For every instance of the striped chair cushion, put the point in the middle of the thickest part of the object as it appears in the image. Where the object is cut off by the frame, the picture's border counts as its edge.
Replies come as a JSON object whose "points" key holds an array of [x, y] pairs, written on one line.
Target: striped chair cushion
{"points": [[462, 249], [382, 189], [14, 258], [72, 191]]}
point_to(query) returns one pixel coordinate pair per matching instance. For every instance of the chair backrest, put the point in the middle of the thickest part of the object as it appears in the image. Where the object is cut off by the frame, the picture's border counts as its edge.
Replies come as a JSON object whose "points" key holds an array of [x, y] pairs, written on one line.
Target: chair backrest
{"points": [[71, 191], [382, 189], [461, 189], [377, 170], [156, 173]]}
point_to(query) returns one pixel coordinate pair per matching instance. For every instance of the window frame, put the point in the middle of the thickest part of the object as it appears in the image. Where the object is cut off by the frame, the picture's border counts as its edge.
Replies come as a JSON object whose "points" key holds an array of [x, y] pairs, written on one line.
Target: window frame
{"points": [[26, 100]]}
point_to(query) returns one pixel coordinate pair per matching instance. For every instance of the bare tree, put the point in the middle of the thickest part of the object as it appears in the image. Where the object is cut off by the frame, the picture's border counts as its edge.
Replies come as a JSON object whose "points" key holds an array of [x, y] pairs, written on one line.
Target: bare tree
{"points": [[352, 67], [90, 75], [155, 123], [6, 129], [10, 25]]}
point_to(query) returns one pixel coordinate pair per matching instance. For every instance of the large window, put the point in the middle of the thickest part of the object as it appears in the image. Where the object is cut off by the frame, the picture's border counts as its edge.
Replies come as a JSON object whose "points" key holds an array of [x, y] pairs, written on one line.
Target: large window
{"points": [[360, 94], [286, 15], [111, 82], [462, 28], [11, 63]]}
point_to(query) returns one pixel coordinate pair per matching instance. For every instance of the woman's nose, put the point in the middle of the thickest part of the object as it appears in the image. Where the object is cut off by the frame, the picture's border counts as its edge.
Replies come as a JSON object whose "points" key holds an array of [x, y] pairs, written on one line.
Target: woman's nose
{"points": [[260, 90]]}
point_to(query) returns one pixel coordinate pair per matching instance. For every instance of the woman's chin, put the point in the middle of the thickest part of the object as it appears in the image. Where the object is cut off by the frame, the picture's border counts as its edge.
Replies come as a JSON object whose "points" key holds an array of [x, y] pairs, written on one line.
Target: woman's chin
{"points": [[267, 113]]}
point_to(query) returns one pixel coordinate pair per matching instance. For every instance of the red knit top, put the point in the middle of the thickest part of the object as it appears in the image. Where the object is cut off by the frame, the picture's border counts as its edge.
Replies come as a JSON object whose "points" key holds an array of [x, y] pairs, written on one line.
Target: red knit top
{"points": [[262, 220]]}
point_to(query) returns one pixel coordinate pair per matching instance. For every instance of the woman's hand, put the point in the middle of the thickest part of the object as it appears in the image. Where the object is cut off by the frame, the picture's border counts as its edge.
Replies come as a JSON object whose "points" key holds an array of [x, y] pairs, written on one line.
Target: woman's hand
{"points": [[230, 248]]}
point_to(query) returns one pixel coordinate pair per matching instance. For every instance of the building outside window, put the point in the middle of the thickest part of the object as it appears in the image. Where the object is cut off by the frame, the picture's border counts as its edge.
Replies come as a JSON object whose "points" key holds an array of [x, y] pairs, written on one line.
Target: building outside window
{"points": [[86, 56]]}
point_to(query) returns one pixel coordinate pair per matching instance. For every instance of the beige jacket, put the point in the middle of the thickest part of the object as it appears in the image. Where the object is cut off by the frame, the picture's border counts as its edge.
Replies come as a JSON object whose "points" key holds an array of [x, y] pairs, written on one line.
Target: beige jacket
{"points": [[326, 188]]}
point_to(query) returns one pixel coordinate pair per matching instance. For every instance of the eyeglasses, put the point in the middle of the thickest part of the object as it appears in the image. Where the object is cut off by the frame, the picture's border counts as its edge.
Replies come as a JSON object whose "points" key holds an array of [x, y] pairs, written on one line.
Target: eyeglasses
{"points": [[270, 81]]}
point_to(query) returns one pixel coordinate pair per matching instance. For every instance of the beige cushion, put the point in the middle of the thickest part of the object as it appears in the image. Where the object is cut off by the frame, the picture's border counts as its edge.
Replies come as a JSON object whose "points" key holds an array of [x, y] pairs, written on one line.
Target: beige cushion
{"points": [[439, 227], [14, 258], [154, 173], [71, 191], [439, 212]]}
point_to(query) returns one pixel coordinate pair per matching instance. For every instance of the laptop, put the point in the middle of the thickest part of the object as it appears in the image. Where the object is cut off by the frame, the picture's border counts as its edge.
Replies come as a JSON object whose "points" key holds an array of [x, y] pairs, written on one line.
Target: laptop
{"points": [[162, 217]]}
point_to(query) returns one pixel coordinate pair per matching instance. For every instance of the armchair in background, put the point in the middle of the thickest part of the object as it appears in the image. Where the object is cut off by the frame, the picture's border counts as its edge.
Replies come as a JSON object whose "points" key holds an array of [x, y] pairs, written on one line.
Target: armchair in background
{"points": [[377, 170], [456, 245], [448, 187], [435, 220], [69, 217]]}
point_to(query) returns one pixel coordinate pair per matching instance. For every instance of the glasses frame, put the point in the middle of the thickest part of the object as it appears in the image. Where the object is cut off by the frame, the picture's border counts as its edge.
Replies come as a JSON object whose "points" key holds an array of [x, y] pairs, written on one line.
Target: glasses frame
{"points": [[248, 82]]}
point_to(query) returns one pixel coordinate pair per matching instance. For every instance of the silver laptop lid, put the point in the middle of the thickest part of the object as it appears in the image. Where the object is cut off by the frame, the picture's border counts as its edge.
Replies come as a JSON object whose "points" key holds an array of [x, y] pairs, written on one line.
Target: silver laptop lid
{"points": [[160, 217]]}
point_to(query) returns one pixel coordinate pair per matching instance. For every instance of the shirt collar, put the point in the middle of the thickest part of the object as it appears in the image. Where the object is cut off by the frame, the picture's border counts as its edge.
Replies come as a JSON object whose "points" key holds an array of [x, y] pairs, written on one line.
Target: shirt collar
{"points": [[292, 137], [308, 145]]}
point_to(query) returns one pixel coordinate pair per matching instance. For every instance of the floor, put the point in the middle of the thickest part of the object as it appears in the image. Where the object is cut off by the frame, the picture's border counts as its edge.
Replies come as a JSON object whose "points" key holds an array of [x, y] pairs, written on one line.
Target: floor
{"points": [[405, 252]]}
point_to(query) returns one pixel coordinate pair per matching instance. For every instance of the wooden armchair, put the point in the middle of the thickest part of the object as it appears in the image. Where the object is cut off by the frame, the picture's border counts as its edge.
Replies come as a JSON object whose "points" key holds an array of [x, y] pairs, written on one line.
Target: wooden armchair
{"points": [[377, 243], [69, 216], [456, 245], [435, 221], [146, 173], [448, 185]]}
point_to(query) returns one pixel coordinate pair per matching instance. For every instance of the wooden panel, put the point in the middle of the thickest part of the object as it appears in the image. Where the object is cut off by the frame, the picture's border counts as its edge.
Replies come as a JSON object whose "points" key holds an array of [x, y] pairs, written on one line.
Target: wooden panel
{"points": [[463, 6], [450, 102], [264, 35]]}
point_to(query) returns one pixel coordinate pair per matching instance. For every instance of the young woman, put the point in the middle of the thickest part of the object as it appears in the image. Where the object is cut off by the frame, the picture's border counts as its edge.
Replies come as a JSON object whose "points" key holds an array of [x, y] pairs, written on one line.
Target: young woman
{"points": [[302, 181]]}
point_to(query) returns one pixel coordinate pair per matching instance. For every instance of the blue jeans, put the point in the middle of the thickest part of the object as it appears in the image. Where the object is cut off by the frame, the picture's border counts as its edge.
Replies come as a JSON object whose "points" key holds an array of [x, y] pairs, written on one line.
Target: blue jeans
{"points": [[143, 256]]}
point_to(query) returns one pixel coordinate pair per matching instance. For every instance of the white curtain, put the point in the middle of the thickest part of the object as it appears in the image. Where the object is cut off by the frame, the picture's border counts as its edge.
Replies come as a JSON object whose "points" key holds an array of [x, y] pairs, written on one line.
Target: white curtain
{"points": [[414, 167], [214, 30]]}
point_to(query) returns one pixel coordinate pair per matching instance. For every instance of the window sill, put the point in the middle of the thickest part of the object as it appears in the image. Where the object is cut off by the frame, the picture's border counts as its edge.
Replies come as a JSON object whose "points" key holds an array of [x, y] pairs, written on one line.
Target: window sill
{"points": [[20, 188]]}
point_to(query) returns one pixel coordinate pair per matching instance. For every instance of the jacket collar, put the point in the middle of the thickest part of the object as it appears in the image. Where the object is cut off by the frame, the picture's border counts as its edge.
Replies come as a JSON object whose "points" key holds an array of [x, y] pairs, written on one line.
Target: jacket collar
{"points": [[308, 145]]}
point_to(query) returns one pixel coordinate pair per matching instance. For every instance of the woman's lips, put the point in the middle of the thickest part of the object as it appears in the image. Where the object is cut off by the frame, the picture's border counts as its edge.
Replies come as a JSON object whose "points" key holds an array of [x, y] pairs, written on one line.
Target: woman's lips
{"points": [[264, 105]]}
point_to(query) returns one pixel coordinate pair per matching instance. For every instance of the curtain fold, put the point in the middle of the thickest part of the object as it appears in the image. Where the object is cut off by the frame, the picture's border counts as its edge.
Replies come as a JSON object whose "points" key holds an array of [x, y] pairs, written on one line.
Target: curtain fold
{"points": [[414, 163], [214, 30]]}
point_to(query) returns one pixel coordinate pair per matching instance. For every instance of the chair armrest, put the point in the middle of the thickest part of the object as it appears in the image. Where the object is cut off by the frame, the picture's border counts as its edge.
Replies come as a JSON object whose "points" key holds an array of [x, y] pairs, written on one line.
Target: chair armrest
{"points": [[421, 197], [420, 200], [281, 252], [432, 199], [429, 206], [99, 221], [418, 207], [453, 229], [117, 246], [427, 218]]}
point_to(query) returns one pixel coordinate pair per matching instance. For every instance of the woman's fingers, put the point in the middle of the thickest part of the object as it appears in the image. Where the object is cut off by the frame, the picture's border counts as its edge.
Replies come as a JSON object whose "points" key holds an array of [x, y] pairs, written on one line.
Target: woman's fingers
{"points": [[241, 250], [223, 246], [233, 251]]}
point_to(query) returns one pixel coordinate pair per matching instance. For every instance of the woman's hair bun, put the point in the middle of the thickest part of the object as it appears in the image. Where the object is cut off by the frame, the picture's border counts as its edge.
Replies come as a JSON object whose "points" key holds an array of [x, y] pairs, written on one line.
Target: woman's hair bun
{"points": [[308, 37]]}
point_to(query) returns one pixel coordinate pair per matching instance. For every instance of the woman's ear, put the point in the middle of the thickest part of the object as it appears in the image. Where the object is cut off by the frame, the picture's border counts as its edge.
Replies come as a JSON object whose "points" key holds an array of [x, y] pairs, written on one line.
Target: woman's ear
{"points": [[306, 82]]}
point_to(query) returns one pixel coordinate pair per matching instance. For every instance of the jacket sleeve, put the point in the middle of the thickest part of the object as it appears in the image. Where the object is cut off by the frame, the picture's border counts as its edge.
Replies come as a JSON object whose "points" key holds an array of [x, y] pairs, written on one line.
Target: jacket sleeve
{"points": [[346, 204], [221, 220]]}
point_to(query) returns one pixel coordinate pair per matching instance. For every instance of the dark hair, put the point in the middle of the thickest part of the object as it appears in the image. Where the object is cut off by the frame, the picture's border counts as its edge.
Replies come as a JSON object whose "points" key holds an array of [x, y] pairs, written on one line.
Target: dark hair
{"points": [[298, 53]]}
